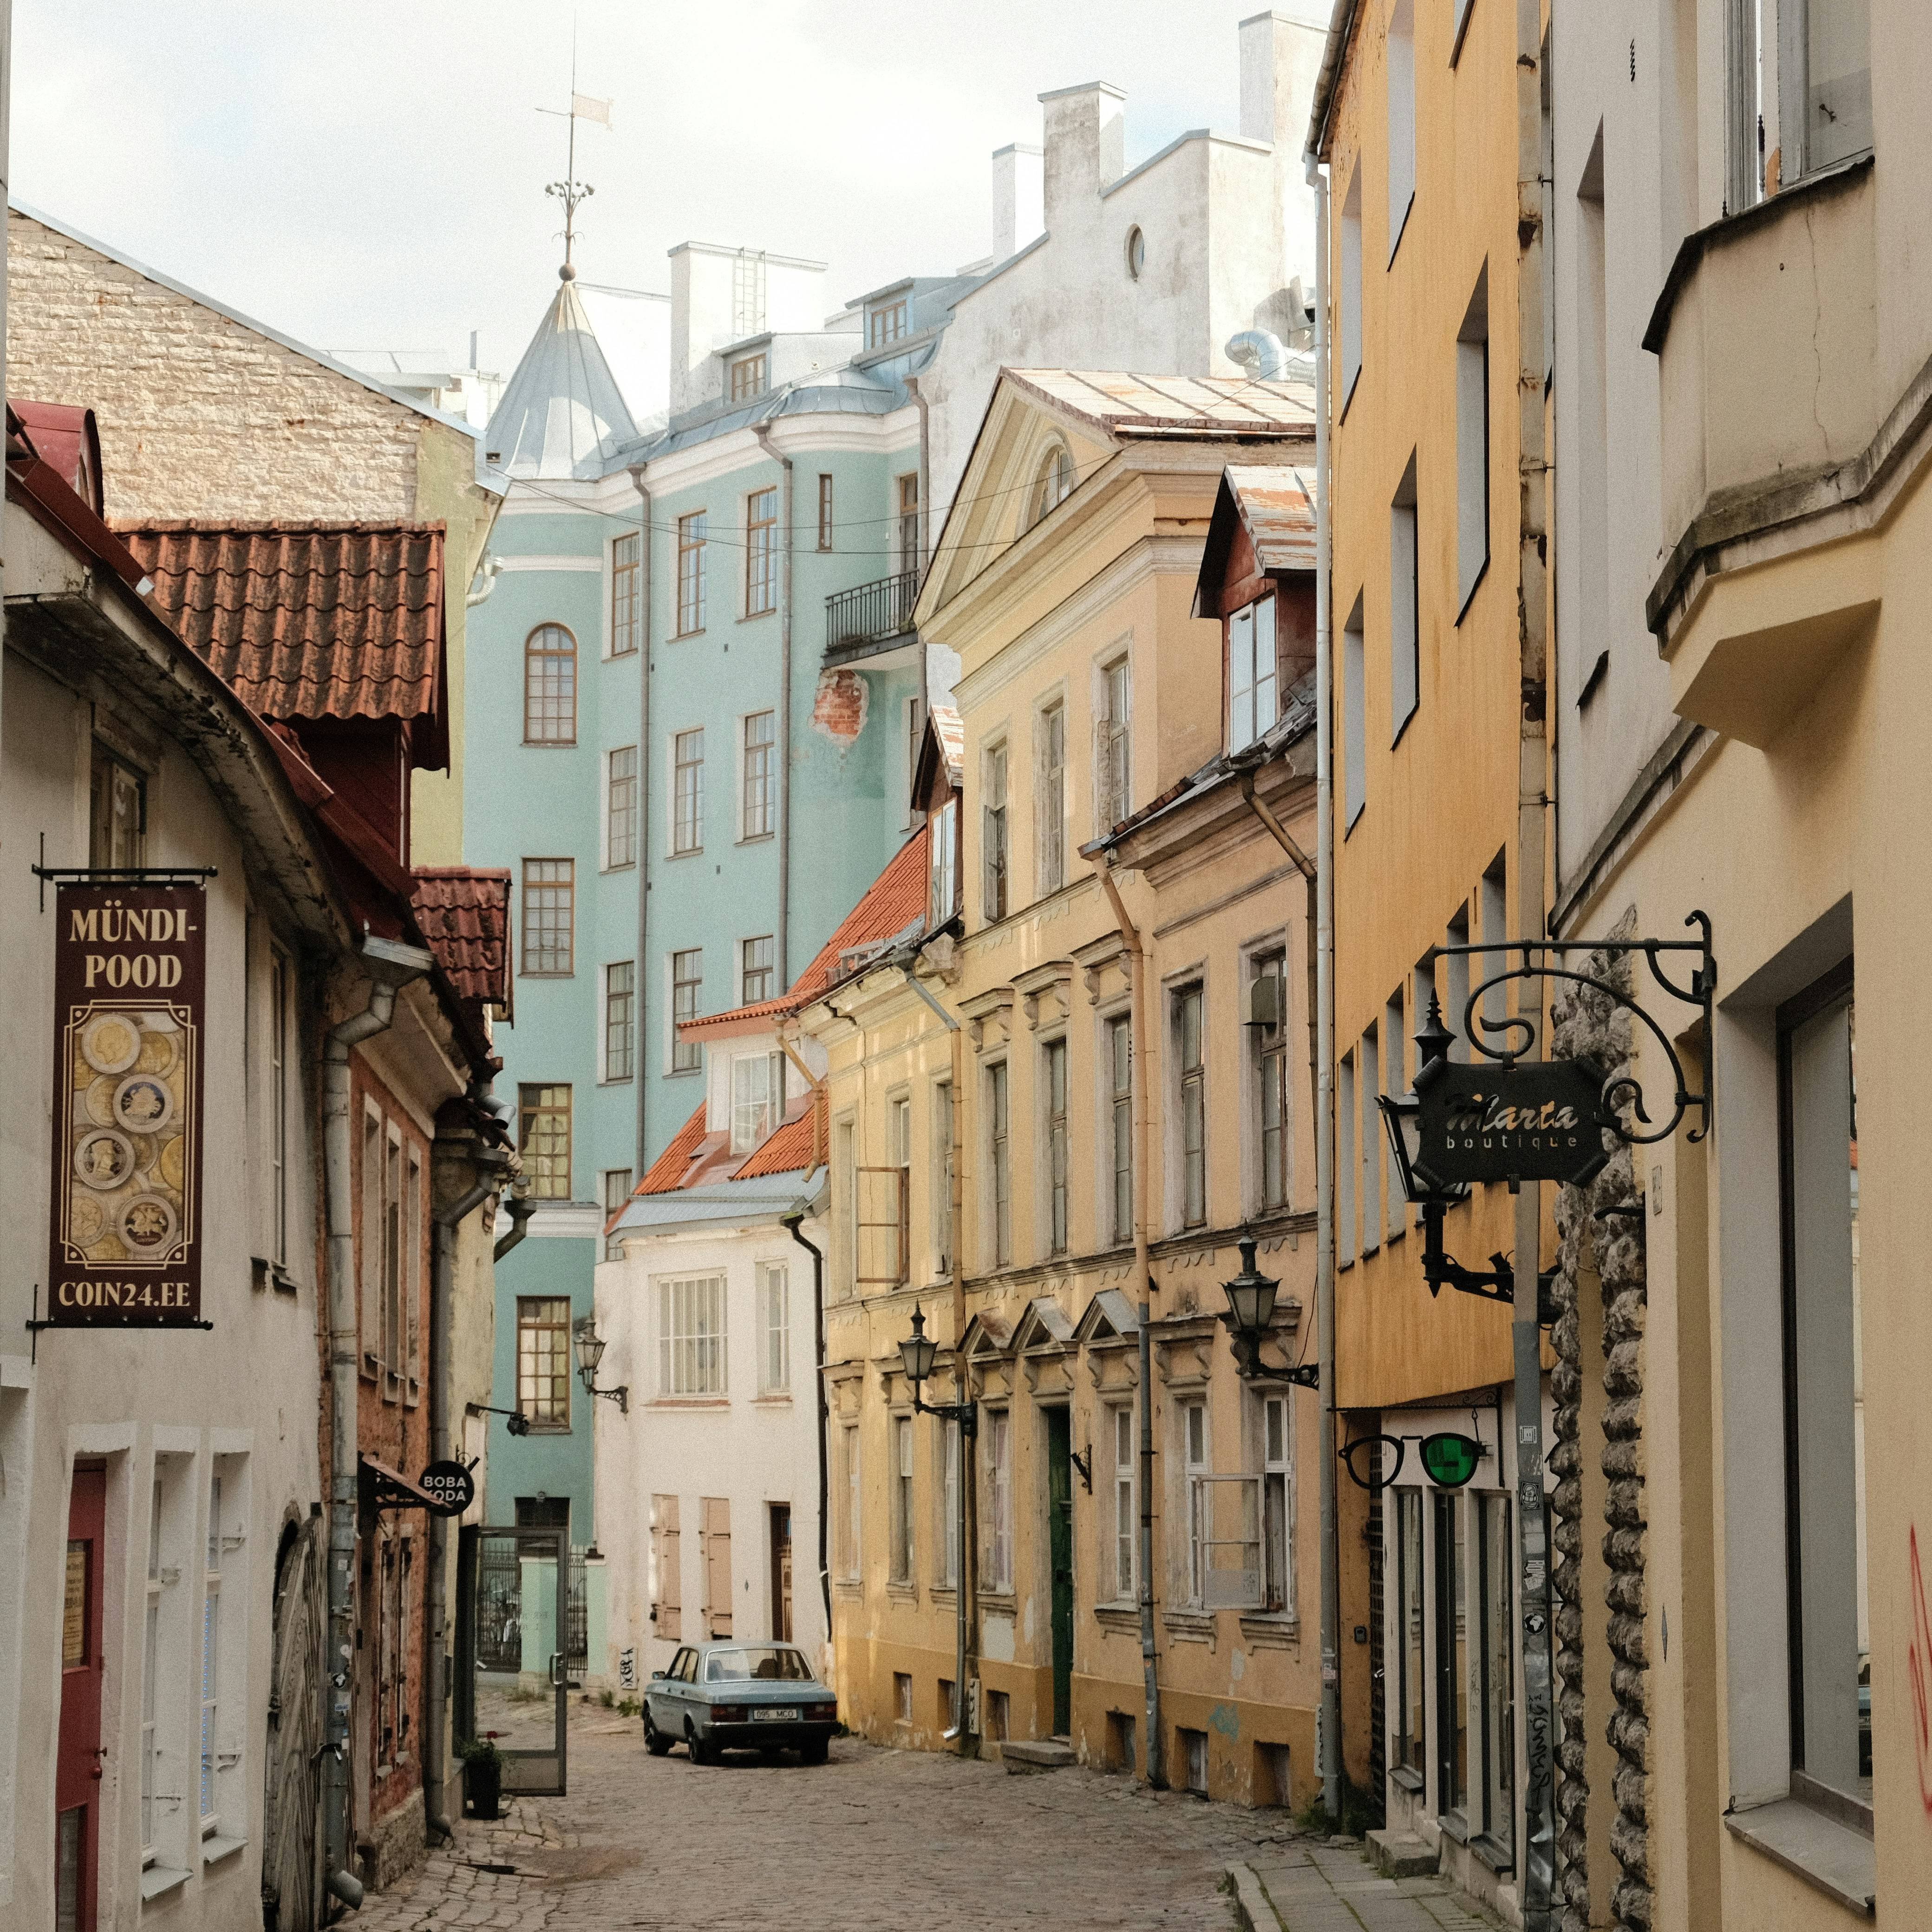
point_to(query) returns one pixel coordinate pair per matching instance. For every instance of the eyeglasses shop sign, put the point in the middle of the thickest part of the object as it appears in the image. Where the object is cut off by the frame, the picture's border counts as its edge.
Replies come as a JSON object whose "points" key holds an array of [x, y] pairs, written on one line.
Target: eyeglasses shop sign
{"points": [[1535, 1121], [130, 972]]}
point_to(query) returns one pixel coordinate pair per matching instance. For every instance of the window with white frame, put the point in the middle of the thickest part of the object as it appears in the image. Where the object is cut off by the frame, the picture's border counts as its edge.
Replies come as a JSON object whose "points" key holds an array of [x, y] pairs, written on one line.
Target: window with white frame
{"points": [[850, 1516], [946, 1537], [620, 808], [1190, 1064], [757, 969], [826, 525], [1404, 606], [1050, 798], [1268, 1045], [941, 1215], [687, 987], [1825, 87], [617, 1184], [999, 1163], [1472, 444], [942, 887], [758, 810], [1252, 685], [845, 1204], [687, 792], [905, 488], [626, 600], [691, 1336], [993, 835], [757, 1098], [1113, 775], [1053, 1096], [997, 1508], [222, 1804], [1401, 143], [151, 1793], [901, 1499], [1351, 303], [914, 737], [1119, 1564], [210, 1703], [1368, 1067], [1192, 1418], [774, 1329], [1411, 1703], [690, 542], [761, 559], [1347, 1238], [620, 1019], [1355, 719], [1277, 1505], [1119, 1062]]}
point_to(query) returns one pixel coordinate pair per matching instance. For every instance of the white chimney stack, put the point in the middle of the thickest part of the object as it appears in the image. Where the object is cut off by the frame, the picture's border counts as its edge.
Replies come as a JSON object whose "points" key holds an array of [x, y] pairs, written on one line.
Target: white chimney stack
{"points": [[1019, 198], [1086, 144], [1281, 56]]}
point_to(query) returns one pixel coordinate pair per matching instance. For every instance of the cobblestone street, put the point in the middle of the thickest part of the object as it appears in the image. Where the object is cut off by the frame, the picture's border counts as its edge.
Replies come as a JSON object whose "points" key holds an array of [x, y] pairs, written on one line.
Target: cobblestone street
{"points": [[875, 1838]]}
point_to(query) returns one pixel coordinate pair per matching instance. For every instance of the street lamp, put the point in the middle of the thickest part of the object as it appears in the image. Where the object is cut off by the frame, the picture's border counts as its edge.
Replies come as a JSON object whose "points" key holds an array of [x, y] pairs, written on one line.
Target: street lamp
{"points": [[917, 1354], [1251, 1298], [590, 1346]]}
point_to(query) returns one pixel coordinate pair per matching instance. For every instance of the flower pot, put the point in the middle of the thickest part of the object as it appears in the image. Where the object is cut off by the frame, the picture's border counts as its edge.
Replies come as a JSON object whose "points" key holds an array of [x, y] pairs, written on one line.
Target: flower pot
{"points": [[483, 1785]]}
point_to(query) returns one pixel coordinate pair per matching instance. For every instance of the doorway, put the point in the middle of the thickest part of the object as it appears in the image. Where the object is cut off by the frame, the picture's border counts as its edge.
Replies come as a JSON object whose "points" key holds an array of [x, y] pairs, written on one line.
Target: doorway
{"points": [[780, 1520], [512, 1623], [77, 1763], [291, 1866], [1060, 1555]]}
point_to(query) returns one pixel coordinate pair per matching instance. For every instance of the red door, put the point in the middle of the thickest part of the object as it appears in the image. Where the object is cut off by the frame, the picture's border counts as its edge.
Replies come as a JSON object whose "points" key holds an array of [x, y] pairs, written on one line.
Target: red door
{"points": [[77, 1768]]}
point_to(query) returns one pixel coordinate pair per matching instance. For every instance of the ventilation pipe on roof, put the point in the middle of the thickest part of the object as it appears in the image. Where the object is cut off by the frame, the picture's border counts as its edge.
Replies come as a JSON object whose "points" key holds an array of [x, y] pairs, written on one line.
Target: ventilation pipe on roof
{"points": [[1261, 353]]}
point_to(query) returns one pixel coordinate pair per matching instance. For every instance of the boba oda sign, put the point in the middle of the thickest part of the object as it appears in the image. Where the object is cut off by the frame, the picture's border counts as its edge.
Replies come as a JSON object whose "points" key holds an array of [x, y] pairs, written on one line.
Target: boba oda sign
{"points": [[129, 990], [1538, 1120]]}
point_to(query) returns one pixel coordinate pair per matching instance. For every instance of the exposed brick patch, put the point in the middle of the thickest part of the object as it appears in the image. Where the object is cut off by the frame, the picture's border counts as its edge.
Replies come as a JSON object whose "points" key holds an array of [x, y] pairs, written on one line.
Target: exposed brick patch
{"points": [[839, 711]]}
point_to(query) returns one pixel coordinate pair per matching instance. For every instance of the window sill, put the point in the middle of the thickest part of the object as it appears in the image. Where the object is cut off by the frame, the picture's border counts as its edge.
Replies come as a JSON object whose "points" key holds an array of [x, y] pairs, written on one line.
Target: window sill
{"points": [[527, 973], [849, 1586], [772, 1399], [158, 1880], [688, 1402], [1001, 1603], [1407, 1778], [1494, 1853], [680, 637], [214, 1849], [1124, 1619], [550, 744], [1190, 1626], [1841, 1863], [758, 838], [622, 866], [696, 852], [1270, 1629], [902, 1590]]}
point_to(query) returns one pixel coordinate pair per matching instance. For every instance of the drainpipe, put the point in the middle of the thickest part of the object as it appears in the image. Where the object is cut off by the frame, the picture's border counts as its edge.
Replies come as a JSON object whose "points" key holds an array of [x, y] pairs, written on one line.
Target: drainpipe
{"points": [[390, 966], [1329, 1740], [521, 1208], [487, 572], [925, 531], [791, 1223], [646, 976], [968, 1495], [490, 1165], [1137, 1004], [763, 433]]}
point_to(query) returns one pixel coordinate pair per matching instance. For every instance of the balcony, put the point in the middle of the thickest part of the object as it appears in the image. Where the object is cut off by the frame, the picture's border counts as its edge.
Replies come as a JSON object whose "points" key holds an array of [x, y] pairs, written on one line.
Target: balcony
{"points": [[870, 619]]}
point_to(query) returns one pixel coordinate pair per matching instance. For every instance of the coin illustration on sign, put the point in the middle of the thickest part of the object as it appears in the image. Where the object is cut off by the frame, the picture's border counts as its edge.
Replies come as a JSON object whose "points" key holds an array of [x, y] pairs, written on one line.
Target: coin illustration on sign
{"points": [[148, 1224], [158, 1050], [111, 1042], [101, 1099], [103, 1159], [143, 1104], [172, 1162], [86, 1220]]}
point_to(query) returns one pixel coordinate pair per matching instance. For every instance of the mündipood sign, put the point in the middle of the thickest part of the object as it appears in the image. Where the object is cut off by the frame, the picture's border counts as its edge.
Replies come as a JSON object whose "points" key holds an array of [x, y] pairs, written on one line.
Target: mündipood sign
{"points": [[1537, 1120], [129, 986]]}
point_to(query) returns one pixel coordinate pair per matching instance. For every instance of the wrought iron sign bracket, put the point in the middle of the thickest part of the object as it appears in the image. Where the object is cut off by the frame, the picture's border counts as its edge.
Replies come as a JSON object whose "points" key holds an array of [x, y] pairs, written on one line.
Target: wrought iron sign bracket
{"points": [[34, 1324], [1496, 1283], [119, 875], [1250, 1366]]}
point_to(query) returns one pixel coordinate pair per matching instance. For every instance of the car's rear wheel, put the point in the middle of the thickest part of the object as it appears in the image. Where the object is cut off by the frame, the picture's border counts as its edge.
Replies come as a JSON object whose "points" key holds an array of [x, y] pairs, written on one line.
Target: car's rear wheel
{"points": [[701, 1753], [814, 1750], [656, 1742]]}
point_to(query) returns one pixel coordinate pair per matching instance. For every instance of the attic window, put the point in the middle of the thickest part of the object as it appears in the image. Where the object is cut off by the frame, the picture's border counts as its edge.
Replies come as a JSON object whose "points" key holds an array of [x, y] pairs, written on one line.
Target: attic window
{"points": [[749, 377], [1053, 483], [886, 324]]}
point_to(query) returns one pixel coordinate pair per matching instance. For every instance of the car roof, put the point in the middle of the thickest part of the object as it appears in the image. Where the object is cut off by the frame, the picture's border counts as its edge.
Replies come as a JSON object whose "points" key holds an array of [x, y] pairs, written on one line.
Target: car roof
{"points": [[710, 1644]]}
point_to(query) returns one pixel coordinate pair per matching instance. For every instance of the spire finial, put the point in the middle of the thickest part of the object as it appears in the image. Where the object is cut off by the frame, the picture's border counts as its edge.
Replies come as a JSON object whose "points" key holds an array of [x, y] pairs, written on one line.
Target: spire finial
{"points": [[570, 190]]}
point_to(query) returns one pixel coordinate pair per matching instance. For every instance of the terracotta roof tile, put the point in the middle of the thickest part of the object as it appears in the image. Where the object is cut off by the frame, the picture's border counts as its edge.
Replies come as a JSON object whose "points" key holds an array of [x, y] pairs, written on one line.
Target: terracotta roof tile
{"points": [[464, 913], [786, 1150], [311, 620], [893, 904], [671, 1167]]}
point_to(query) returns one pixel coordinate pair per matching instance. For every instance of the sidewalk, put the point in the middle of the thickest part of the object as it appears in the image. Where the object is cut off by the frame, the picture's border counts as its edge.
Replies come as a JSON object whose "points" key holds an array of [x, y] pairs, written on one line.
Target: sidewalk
{"points": [[1333, 1888]]}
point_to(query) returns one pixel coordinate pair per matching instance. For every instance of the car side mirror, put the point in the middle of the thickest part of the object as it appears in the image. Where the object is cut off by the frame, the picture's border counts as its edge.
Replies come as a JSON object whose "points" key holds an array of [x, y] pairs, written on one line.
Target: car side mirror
{"points": [[657, 1676]]}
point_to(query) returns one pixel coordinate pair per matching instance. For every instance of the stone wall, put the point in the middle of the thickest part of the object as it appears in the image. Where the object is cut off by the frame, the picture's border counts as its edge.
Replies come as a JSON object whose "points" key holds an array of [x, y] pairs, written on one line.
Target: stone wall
{"points": [[1598, 1232], [199, 416]]}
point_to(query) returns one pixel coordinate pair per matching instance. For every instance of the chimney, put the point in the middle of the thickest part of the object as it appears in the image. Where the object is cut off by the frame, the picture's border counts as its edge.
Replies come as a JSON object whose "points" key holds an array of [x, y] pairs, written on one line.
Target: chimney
{"points": [[1281, 55], [1019, 198], [1086, 145]]}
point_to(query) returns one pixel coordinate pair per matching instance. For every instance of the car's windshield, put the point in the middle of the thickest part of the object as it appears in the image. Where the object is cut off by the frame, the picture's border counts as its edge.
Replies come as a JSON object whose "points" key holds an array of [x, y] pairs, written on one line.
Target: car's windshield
{"points": [[766, 1661]]}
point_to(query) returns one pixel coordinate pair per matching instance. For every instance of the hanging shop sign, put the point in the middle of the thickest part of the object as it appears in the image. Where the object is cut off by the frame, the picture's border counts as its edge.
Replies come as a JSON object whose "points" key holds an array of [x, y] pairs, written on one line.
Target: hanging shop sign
{"points": [[1534, 1121], [451, 1484], [130, 974]]}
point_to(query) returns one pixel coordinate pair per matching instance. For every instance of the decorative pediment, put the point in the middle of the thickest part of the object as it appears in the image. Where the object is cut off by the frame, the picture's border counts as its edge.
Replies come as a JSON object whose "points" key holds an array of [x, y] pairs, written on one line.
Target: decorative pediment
{"points": [[1109, 1317], [1046, 992], [1044, 1326], [1186, 1352], [1102, 964]]}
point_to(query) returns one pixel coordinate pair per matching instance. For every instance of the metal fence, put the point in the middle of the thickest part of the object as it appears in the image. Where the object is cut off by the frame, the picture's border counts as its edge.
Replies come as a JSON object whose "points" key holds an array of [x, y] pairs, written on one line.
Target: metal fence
{"points": [[869, 613], [499, 1599]]}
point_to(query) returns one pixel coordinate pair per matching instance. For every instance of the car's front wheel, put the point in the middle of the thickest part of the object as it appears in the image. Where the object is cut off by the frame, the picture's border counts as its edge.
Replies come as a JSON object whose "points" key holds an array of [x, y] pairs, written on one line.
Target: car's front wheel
{"points": [[656, 1742]]}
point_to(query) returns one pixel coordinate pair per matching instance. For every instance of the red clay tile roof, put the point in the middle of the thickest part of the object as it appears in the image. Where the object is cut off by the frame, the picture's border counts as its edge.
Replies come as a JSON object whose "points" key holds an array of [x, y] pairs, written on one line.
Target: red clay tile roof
{"points": [[311, 620], [671, 1167], [788, 1150], [893, 902], [464, 913]]}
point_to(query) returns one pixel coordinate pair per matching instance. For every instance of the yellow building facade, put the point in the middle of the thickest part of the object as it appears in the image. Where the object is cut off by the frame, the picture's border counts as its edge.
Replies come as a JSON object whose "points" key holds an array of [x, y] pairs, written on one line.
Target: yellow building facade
{"points": [[1054, 1110]]}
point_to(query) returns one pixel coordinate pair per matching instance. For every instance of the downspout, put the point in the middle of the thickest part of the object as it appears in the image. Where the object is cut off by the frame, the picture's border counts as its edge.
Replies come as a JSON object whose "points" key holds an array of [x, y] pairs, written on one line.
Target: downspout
{"points": [[1137, 1004], [490, 1164], [391, 966], [1329, 1740], [968, 1526], [521, 1208], [924, 528], [792, 1225], [762, 431], [647, 978]]}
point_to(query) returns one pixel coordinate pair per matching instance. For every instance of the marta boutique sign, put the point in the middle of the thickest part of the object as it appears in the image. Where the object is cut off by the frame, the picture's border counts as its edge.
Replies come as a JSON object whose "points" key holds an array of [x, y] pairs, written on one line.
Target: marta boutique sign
{"points": [[1535, 1120], [130, 973]]}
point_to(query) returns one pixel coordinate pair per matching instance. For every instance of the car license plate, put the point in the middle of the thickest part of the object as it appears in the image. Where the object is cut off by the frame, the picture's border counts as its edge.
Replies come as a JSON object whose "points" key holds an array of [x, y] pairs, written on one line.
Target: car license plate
{"points": [[773, 1714]]}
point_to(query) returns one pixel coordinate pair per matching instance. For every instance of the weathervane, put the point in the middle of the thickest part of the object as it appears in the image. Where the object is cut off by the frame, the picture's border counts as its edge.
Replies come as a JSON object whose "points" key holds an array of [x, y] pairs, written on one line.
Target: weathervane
{"points": [[570, 190]]}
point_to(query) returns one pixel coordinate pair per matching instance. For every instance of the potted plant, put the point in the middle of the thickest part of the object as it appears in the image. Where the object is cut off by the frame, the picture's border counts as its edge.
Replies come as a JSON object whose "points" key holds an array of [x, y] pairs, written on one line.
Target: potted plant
{"points": [[482, 1775]]}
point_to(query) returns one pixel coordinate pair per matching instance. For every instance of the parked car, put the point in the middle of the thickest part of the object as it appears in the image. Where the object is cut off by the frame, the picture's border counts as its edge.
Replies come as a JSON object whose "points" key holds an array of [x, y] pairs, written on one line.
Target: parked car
{"points": [[739, 1697]]}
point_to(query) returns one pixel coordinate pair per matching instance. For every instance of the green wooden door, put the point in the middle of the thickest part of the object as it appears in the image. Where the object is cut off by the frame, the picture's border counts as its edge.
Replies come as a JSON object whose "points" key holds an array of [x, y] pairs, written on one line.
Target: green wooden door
{"points": [[1059, 1539]]}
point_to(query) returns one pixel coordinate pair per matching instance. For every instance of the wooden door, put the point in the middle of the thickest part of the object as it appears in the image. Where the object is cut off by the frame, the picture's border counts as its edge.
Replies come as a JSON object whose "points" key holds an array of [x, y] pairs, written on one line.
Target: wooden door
{"points": [[718, 1565], [781, 1572], [1060, 1549], [77, 1763]]}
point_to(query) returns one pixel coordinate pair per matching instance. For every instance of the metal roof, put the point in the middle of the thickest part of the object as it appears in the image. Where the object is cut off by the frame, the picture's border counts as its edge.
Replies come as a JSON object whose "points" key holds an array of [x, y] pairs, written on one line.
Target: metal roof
{"points": [[562, 416], [743, 1203], [1118, 403]]}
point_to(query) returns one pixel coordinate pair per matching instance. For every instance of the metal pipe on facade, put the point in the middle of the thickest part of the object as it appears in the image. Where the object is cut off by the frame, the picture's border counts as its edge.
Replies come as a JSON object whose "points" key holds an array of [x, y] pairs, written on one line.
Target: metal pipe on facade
{"points": [[521, 1208], [1329, 1740], [786, 523], [793, 1226], [1137, 1005], [645, 976], [391, 966]]}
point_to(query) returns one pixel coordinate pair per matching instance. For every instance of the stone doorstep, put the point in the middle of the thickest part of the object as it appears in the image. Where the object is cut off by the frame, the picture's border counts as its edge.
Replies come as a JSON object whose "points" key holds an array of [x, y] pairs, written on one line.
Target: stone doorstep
{"points": [[1024, 1756], [1399, 1855]]}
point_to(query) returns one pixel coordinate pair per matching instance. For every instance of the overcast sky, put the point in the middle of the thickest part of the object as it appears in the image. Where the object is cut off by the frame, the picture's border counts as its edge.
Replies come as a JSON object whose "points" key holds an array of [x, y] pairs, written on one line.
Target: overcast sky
{"points": [[371, 176]]}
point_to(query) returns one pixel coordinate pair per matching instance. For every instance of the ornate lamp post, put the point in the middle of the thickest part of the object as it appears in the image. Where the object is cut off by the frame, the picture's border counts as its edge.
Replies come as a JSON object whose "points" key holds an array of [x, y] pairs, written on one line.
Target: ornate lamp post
{"points": [[917, 1354], [1251, 1298], [590, 1346]]}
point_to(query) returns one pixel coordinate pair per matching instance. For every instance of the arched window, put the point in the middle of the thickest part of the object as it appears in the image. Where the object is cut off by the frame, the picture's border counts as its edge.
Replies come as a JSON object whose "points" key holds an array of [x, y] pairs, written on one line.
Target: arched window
{"points": [[550, 686], [1052, 484]]}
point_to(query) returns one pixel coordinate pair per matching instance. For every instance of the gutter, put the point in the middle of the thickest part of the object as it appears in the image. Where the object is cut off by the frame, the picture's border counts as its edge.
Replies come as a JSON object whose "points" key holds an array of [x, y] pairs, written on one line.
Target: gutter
{"points": [[763, 432], [391, 966], [521, 1208], [1341, 26], [642, 1005]]}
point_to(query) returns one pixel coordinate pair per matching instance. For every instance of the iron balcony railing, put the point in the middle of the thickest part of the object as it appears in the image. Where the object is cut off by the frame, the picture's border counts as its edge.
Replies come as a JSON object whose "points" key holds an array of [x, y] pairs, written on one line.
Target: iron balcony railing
{"points": [[870, 613]]}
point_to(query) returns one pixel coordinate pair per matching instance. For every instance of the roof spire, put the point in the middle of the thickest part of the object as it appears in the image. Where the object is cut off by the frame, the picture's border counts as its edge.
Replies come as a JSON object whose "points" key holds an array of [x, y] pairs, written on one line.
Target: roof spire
{"points": [[570, 190]]}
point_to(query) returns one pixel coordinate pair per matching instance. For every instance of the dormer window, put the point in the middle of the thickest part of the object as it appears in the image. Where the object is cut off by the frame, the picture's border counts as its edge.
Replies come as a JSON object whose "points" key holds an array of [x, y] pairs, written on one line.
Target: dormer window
{"points": [[750, 376], [886, 323], [1253, 684], [1052, 483], [942, 891], [757, 1100]]}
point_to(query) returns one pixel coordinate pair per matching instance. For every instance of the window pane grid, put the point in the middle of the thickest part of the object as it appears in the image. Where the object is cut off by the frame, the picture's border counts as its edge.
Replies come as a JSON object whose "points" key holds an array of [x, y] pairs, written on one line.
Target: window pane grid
{"points": [[691, 538], [688, 791], [620, 839], [1193, 1108], [543, 1115], [759, 808], [761, 569], [624, 596], [620, 987], [550, 686], [691, 1336], [550, 892], [543, 1360], [687, 981]]}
